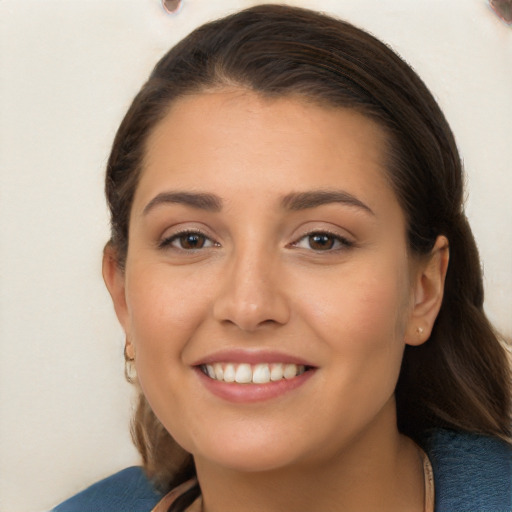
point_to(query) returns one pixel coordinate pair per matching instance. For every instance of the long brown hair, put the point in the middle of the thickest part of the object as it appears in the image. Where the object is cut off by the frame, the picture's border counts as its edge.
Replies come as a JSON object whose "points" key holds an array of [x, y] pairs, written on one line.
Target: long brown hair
{"points": [[460, 378]]}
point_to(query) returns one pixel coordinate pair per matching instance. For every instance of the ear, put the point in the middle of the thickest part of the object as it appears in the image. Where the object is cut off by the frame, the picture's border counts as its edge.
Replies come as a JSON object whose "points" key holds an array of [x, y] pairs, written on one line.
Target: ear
{"points": [[428, 291], [114, 278]]}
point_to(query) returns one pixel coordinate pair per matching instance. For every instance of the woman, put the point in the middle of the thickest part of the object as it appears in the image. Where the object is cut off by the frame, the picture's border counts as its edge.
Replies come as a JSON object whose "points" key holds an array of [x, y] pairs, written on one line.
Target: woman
{"points": [[298, 284]]}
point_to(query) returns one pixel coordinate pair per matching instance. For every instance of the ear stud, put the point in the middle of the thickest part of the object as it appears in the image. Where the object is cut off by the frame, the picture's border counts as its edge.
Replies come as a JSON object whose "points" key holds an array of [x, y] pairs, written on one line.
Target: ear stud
{"points": [[419, 330], [129, 366]]}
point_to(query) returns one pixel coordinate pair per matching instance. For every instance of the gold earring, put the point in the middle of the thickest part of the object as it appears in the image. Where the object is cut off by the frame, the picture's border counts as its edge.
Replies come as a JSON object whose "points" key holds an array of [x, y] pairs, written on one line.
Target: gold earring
{"points": [[130, 374], [419, 331]]}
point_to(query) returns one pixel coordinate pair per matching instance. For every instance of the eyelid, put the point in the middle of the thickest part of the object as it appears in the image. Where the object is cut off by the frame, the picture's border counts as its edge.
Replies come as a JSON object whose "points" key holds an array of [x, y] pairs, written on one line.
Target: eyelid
{"points": [[166, 241], [344, 241]]}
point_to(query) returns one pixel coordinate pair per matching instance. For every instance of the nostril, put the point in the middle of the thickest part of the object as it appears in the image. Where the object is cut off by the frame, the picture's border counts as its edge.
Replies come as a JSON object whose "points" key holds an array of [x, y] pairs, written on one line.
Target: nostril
{"points": [[270, 321]]}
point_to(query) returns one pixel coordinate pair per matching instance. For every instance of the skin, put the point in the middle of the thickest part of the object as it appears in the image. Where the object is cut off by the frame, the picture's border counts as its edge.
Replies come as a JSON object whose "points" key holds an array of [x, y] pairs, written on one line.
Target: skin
{"points": [[258, 283]]}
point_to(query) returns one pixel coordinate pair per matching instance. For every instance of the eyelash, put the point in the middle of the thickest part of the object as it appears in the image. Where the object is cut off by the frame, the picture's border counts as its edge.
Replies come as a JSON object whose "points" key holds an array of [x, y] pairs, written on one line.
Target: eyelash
{"points": [[168, 242], [338, 242]]}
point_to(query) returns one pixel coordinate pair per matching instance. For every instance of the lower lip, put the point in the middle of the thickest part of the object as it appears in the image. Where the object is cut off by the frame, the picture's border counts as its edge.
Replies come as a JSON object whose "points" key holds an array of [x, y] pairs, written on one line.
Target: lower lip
{"points": [[250, 393]]}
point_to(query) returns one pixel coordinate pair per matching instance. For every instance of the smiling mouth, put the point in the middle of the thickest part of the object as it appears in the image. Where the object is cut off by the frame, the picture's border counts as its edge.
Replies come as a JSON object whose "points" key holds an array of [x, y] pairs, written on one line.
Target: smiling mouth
{"points": [[244, 373]]}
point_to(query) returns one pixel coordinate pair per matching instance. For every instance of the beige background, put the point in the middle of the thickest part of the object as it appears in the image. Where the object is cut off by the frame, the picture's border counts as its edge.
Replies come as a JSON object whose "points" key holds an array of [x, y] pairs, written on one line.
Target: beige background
{"points": [[68, 72]]}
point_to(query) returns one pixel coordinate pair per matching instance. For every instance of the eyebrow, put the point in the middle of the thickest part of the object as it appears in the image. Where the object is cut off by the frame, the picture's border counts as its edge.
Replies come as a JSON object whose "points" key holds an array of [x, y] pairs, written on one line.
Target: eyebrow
{"points": [[201, 201], [295, 201], [304, 200]]}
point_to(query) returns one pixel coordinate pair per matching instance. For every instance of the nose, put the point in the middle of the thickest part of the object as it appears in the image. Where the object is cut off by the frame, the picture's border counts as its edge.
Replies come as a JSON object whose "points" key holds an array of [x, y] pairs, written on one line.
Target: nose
{"points": [[251, 294]]}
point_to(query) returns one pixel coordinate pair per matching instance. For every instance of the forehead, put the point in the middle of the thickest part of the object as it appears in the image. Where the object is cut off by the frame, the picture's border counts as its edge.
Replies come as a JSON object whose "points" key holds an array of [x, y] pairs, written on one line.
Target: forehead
{"points": [[234, 140]]}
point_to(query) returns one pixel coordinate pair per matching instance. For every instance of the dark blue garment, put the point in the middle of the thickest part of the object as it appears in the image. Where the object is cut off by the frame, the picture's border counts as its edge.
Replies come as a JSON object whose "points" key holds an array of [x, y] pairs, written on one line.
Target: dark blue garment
{"points": [[126, 491], [472, 473]]}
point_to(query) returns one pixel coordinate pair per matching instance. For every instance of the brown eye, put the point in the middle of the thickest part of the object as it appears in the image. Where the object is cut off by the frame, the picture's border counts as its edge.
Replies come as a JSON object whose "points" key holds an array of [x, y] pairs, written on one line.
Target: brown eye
{"points": [[192, 241], [187, 241], [321, 241]]}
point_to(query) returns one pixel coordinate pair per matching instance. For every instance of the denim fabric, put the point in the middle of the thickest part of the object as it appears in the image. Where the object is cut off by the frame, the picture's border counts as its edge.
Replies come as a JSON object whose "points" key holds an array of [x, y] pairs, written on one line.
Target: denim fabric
{"points": [[472, 473], [126, 491]]}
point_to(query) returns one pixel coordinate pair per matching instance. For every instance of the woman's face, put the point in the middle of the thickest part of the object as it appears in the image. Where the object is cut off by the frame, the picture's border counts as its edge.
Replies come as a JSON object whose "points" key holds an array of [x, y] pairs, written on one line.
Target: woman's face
{"points": [[266, 247]]}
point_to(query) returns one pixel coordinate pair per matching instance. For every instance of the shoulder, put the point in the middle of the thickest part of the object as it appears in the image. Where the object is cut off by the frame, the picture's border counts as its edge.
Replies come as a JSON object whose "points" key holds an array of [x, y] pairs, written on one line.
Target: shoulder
{"points": [[471, 471], [128, 489]]}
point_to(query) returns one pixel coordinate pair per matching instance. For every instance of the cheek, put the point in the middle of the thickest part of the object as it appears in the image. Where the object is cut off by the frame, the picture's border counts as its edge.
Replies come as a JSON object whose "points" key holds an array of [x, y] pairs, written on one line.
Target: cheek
{"points": [[361, 320], [165, 309], [165, 312], [368, 305]]}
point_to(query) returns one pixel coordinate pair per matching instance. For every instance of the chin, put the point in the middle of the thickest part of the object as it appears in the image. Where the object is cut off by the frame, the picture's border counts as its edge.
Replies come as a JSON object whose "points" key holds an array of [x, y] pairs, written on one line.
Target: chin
{"points": [[247, 456], [248, 462]]}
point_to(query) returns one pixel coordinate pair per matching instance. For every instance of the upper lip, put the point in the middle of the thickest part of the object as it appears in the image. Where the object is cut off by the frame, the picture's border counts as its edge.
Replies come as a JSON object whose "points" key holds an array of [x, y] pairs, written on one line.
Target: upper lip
{"points": [[251, 357]]}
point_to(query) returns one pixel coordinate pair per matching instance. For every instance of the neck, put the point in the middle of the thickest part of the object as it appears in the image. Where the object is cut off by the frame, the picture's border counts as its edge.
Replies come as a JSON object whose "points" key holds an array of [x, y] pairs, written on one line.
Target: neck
{"points": [[380, 470]]}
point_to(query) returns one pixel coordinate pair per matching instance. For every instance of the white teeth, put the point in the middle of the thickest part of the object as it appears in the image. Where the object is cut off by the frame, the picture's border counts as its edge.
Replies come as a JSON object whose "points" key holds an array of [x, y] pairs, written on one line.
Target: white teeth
{"points": [[276, 372], [243, 374], [210, 370], [219, 372], [229, 373], [290, 371], [261, 373]]}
